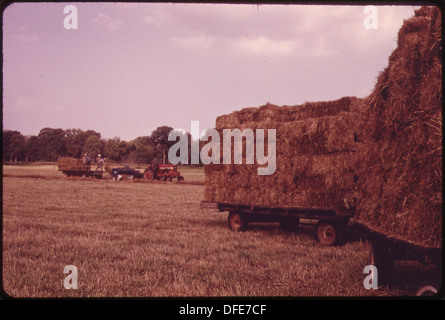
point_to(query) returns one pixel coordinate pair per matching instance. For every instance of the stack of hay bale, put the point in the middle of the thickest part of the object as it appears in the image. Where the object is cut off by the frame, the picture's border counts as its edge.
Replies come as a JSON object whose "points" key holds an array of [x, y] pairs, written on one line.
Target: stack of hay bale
{"points": [[70, 164], [399, 165], [381, 154], [314, 142]]}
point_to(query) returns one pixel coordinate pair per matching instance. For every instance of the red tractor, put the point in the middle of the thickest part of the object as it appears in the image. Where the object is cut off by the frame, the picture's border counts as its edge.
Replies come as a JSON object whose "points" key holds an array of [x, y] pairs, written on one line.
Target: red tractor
{"points": [[164, 172]]}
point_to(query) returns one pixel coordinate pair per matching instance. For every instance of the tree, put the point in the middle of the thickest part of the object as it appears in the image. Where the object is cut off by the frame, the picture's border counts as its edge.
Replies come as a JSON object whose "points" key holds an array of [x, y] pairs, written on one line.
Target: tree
{"points": [[93, 146], [111, 149], [141, 150], [13, 146], [75, 140], [159, 138], [32, 148], [51, 144]]}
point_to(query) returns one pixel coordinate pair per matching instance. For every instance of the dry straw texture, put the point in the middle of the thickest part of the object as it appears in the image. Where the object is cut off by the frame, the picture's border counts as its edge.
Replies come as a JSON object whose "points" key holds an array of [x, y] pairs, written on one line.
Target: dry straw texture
{"points": [[400, 160], [314, 143], [381, 154], [67, 163]]}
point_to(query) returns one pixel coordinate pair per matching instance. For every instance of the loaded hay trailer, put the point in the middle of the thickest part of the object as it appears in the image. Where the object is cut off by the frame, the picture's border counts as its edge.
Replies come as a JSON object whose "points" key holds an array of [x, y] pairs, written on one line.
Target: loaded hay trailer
{"points": [[400, 155], [72, 167], [381, 155]]}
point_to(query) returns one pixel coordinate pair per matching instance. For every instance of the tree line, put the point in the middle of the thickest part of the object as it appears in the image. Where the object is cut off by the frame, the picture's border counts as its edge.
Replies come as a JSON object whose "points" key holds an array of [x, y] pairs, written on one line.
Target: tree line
{"points": [[52, 143]]}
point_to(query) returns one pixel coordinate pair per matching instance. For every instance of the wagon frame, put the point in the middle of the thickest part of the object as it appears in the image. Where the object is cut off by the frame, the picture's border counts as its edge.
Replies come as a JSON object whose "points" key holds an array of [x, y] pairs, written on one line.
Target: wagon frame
{"points": [[331, 224], [386, 249]]}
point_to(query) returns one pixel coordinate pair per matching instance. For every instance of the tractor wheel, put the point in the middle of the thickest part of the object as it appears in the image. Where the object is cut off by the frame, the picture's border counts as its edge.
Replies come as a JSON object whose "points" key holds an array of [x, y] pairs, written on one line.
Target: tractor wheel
{"points": [[237, 221], [180, 178], [149, 174]]}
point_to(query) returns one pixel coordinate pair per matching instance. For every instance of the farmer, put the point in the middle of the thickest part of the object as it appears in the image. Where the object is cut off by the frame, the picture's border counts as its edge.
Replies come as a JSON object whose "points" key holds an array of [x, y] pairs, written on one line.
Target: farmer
{"points": [[84, 160], [88, 162], [100, 163], [155, 167]]}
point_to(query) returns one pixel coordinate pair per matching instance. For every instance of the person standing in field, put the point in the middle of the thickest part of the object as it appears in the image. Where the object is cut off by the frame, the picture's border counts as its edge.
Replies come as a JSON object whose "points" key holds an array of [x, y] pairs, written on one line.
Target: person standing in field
{"points": [[88, 162], [84, 160], [100, 163]]}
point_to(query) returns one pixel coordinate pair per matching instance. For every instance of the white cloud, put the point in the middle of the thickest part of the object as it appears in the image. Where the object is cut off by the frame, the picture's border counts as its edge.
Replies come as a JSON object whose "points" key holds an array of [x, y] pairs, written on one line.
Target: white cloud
{"points": [[195, 43], [262, 45], [107, 22]]}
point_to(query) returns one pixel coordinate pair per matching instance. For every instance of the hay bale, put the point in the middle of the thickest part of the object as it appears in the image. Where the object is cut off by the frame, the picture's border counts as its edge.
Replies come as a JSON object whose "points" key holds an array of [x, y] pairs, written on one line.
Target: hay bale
{"points": [[69, 164], [399, 163]]}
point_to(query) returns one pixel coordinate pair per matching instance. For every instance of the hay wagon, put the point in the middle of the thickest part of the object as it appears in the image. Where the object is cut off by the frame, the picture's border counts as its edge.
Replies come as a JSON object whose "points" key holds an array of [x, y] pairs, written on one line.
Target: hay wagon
{"points": [[331, 224], [387, 249], [72, 167]]}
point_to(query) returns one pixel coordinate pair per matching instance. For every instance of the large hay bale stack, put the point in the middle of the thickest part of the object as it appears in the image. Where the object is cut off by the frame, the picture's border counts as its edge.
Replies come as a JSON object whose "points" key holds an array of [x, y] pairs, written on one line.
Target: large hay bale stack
{"points": [[400, 160], [381, 154], [314, 142]]}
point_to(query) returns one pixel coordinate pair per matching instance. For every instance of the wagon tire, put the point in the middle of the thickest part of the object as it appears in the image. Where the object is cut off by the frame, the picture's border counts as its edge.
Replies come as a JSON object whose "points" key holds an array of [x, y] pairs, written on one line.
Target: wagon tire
{"points": [[327, 233], [427, 289], [237, 221]]}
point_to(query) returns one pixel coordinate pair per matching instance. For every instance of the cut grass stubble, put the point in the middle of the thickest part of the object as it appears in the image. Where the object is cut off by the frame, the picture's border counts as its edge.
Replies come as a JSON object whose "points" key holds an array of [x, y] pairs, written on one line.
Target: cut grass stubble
{"points": [[132, 239]]}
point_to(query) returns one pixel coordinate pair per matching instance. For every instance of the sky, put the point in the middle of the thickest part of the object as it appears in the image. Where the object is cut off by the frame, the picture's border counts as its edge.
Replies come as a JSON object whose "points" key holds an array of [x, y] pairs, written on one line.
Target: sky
{"points": [[129, 68]]}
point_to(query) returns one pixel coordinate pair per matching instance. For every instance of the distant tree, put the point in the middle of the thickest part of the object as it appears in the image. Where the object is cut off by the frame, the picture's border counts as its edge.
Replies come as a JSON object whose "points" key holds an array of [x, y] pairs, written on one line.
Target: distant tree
{"points": [[75, 140], [111, 149], [159, 138], [13, 146], [32, 148], [124, 150], [93, 146], [51, 144], [141, 150]]}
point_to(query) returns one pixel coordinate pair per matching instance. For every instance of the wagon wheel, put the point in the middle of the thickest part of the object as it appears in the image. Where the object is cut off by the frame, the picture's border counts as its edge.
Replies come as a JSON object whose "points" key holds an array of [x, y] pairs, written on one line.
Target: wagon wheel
{"points": [[326, 233], [237, 221], [148, 174], [427, 289]]}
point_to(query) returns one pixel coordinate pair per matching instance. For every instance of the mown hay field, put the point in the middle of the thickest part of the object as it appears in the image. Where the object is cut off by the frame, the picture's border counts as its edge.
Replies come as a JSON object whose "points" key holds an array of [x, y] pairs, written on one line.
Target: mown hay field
{"points": [[138, 239]]}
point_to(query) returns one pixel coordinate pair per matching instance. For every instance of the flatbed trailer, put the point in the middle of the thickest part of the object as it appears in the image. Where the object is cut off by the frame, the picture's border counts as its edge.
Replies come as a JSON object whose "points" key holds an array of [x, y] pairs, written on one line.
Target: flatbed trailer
{"points": [[83, 173], [386, 249], [331, 224]]}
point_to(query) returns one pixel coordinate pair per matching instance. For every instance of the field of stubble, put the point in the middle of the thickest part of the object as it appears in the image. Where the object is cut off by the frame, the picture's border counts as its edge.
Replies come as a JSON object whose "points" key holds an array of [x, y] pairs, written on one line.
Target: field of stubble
{"points": [[139, 239]]}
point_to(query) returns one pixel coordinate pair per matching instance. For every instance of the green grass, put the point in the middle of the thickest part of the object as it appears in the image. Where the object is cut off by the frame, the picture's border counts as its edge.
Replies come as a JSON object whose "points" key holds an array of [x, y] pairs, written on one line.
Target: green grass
{"points": [[136, 239]]}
